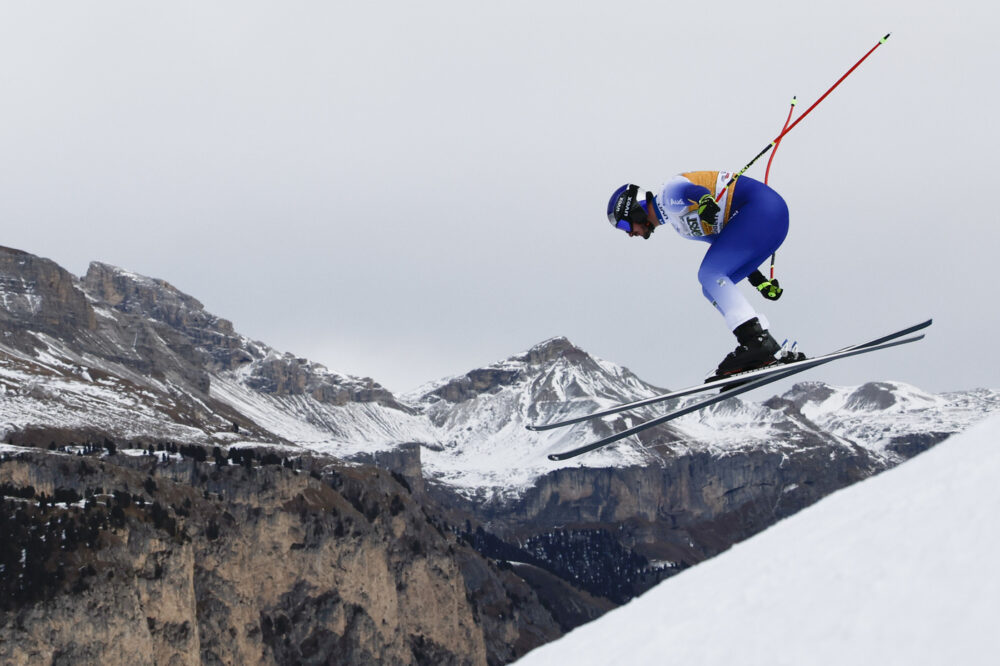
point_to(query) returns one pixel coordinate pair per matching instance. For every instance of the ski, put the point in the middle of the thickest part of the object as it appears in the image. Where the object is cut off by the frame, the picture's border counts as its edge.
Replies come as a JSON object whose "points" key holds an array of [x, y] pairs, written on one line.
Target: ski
{"points": [[783, 372], [726, 381]]}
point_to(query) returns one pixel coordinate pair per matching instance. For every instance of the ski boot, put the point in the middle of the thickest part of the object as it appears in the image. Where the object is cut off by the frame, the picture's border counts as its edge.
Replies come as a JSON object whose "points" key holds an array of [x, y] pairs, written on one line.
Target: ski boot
{"points": [[757, 349]]}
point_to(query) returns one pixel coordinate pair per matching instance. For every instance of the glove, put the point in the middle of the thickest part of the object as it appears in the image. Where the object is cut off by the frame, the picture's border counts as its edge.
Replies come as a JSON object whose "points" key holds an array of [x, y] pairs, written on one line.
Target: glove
{"points": [[708, 210], [769, 289]]}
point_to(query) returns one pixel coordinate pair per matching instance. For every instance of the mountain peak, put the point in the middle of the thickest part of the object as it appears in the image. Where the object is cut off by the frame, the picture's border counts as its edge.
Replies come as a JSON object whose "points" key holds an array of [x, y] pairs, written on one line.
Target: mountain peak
{"points": [[868, 398], [559, 341], [39, 295], [157, 299], [551, 350]]}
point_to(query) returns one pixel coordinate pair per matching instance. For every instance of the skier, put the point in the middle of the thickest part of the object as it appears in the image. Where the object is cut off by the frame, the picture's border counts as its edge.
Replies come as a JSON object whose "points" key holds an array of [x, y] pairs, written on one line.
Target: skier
{"points": [[747, 224]]}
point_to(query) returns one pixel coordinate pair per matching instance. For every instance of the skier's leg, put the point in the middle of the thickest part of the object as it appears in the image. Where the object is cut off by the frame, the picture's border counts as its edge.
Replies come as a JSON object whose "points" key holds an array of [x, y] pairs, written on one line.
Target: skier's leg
{"points": [[723, 294], [756, 228], [760, 220]]}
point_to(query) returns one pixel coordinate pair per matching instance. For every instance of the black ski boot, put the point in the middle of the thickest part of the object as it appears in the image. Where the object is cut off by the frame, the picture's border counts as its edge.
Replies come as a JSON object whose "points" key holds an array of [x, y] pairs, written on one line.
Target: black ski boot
{"points": [[756, 350]]}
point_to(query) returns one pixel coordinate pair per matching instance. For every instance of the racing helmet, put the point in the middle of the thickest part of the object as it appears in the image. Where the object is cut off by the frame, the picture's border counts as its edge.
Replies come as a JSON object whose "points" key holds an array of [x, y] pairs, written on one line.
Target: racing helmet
{"points": [[625, 207]]}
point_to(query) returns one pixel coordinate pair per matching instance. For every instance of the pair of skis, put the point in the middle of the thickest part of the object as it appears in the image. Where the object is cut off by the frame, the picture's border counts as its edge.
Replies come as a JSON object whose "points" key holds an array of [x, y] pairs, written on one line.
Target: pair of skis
{"points": [[733, 386]]}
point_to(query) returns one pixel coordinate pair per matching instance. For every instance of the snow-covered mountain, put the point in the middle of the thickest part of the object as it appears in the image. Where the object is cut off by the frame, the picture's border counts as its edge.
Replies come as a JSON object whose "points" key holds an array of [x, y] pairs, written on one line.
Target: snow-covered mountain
{"points": [[481, 418], [120, 355], [897, 569], [133, 358]]}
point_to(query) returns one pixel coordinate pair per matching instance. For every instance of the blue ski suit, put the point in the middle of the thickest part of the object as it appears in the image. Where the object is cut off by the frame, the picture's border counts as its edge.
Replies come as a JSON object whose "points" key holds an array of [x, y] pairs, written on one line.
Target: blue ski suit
{"points": [[751, 225]]}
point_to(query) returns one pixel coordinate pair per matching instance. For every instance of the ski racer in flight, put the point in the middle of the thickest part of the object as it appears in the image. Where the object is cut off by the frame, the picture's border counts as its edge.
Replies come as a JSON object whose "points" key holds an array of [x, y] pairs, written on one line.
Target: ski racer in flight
{"points": [[748, 223]]}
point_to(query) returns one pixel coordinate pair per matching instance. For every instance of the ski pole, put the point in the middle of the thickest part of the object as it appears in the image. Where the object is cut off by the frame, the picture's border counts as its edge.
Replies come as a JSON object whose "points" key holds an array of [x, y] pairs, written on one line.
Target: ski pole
{"points": [[800, 118], [767, 172], [784, 127]]}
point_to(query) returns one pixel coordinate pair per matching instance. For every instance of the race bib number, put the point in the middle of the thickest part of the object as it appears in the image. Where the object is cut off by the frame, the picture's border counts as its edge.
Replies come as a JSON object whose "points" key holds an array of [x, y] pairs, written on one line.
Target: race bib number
{"points": [[693, 223]]}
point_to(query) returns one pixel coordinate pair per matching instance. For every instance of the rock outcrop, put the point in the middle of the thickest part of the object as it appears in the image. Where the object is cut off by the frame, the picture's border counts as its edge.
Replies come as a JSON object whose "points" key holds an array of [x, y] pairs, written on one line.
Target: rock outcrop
{"points": [[38, 295], [172, 560]]}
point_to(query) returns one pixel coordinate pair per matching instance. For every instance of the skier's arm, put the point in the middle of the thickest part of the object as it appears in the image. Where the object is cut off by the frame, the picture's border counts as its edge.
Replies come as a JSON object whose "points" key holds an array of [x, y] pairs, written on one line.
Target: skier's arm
{"points": [[682, 196]]}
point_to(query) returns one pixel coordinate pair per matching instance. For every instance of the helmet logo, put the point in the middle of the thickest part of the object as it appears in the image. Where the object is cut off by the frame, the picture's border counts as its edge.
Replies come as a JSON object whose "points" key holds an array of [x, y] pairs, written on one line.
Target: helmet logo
{"points": [[626, 201]]}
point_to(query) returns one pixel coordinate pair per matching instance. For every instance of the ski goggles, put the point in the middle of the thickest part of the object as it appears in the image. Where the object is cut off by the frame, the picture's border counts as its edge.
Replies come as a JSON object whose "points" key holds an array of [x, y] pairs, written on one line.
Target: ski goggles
{"points": [[624, 225]]}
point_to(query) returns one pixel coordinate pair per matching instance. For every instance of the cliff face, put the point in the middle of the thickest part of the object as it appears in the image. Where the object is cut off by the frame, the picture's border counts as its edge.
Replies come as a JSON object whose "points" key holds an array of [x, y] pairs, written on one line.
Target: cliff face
{"points": [[211, 342], [201, 562], [616, 532], [691, 506], [42, 296], [197, 336]]}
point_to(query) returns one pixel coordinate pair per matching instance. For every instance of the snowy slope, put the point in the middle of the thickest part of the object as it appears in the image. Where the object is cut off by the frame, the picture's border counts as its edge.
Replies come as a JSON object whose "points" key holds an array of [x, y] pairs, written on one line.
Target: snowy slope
{"points": [[341, 430], [56, 389], [897, 569], [880, 413]]}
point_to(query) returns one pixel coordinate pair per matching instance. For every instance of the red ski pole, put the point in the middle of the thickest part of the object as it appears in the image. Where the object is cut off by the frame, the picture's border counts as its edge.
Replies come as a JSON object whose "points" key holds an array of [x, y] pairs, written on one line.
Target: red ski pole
{"points": [[800, 118], [784, 127], [767, 172]]}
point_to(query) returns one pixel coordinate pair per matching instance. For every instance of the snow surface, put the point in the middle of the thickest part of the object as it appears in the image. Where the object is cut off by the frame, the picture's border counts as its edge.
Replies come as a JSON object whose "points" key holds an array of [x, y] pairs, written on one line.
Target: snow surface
{"points": [[897, 569], [336, 430]]}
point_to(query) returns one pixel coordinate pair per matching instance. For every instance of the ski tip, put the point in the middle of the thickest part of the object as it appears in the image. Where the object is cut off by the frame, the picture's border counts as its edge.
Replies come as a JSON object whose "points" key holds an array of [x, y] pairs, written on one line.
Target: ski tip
{"points": [[532, 428], [921, 326]]}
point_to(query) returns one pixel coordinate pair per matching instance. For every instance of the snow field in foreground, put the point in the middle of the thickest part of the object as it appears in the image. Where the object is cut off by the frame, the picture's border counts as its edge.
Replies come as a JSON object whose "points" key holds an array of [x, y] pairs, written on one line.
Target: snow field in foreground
{"points": [[897, 569]]}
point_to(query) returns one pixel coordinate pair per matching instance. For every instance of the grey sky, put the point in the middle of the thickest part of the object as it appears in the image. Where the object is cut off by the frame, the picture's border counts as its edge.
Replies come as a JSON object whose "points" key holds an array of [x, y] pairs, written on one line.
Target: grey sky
{"points": [[410, 190]]}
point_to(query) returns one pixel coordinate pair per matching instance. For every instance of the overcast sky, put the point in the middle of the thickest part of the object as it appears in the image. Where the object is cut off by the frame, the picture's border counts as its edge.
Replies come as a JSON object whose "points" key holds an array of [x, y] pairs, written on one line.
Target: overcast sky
{"points": [[407, 191]]}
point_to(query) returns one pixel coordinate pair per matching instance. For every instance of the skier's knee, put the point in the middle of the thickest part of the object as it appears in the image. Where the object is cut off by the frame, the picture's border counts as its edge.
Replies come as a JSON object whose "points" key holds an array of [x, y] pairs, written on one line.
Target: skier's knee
{"points": [[711, 279]]}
